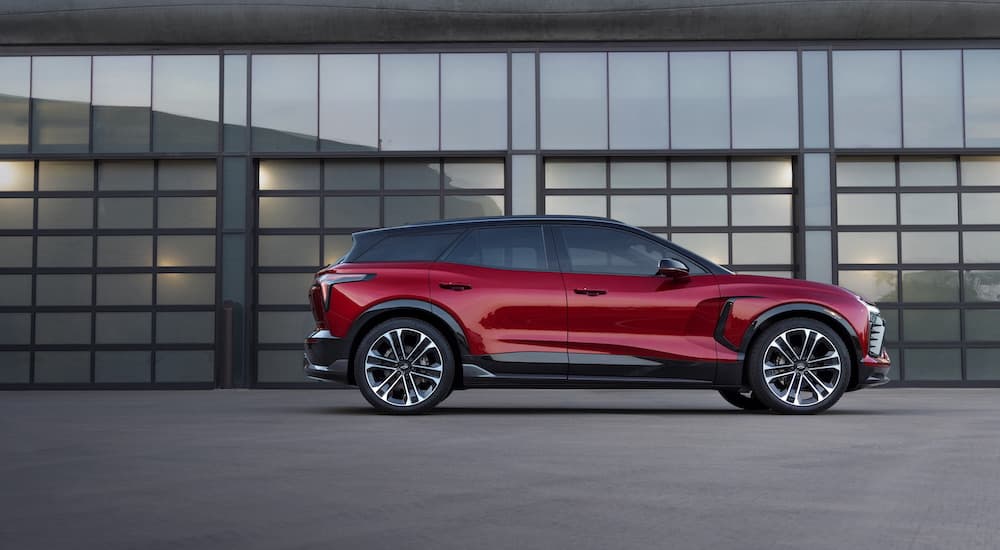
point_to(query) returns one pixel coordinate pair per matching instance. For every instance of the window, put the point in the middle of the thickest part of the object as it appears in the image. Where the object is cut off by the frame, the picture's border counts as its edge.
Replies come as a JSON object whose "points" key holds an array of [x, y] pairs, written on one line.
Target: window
{"points": [[185, 103], [574, 91], [283, 111], [408, 247], [615, 252], [503, 248], [866, 102]]}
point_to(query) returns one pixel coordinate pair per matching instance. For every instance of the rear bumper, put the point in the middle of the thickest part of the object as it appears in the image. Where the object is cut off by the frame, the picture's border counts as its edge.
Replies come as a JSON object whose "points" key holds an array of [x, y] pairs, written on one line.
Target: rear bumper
{"points": [[326, 357]]}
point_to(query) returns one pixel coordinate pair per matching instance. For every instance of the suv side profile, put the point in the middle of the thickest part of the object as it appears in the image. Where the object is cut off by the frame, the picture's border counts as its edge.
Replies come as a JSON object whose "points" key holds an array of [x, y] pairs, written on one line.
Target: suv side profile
{"points": [[412, 313]]}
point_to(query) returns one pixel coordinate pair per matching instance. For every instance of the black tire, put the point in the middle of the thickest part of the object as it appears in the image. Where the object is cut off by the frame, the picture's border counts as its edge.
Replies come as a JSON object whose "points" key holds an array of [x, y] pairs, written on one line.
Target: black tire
{"points": [[747, 402], [799, 327], [410, 328]]}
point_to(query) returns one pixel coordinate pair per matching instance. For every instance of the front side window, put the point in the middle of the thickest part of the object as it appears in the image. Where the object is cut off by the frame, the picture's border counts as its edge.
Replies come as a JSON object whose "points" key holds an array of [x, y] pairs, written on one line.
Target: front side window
{"points": [[614, 252], [502, 248]]}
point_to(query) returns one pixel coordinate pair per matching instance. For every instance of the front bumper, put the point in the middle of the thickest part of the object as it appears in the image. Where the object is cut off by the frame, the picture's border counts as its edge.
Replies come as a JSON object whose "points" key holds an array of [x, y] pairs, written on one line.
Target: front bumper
{"points": [[874, 371], [326, 357]]}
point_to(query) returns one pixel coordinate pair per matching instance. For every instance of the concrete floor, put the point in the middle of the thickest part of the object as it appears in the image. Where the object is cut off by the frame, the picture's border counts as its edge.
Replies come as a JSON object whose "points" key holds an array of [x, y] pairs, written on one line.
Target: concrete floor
{"points": [[605, 469]]}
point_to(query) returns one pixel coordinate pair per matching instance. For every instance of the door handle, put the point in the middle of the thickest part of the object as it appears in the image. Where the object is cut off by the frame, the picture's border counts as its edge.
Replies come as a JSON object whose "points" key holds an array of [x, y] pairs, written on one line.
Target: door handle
{"points": [[589, 291], [457, 287]]}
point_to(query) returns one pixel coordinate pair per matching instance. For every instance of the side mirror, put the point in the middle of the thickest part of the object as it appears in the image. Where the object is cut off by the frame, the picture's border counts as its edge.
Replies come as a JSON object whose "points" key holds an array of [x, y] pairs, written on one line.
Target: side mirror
{"points": [[672, 268]]}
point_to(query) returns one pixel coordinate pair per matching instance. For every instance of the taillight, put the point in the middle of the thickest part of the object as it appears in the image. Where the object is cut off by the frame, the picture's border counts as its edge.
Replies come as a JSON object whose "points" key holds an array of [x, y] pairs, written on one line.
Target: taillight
{"points": [[327, 280]]}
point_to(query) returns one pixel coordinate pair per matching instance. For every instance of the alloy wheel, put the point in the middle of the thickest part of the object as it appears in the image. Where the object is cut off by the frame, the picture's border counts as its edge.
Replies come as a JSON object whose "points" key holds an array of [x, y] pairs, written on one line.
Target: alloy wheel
{"points": [[802, 367], [403, 367]]}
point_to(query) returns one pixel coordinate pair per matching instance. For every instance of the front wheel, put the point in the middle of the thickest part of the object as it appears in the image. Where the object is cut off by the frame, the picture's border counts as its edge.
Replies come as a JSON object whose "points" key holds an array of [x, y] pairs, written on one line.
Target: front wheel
{"points": [[799, 366], [404, 366]]}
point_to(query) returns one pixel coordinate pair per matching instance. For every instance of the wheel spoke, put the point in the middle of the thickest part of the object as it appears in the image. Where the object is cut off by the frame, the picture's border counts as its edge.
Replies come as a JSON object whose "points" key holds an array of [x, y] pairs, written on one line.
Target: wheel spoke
{"points": [[426, 377], [395, 340], [423, 346], [783, 347], [811, 377], [809, 344], [773, 377], [382, 390], [376, 359]]}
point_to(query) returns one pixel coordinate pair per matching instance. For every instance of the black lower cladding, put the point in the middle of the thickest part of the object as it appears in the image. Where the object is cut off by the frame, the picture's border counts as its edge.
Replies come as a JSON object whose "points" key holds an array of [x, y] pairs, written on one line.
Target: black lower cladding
{"points": [[326, 356], [869, 377]]}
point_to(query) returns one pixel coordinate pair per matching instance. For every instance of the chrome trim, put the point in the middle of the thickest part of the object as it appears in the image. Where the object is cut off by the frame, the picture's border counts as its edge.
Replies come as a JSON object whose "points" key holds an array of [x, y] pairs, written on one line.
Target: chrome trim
{"points": [[475, 371], [876, 331], [321, 335]]}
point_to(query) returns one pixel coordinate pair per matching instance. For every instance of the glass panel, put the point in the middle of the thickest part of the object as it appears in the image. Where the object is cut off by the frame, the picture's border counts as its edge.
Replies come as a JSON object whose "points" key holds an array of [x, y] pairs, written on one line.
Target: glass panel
{"points": [[474, 87], [124, 251], [351, 212], [637, 174], [928, 208], [981, 246], [695, 210], [67, 367], [15, 366], [185, 103], [186, 212], [277, 367], [643, 210], [762, 248], [982, 97], [234, 192], [283, 288], [699, 100], [185, 250], [874, 286], [473, 175], [891, 318], [335, 246], [762, 210], [819, 262], [932, 98], [121, 213], [933, 364], [866, 248], [348, 102], [62, 290], [65, 213], [288, 250], [982, 325], [981, 208], [283, 327], [927, 172], [185, 366], [122, 95], [132, 289], [15, 290], [15, 329], [714, 246], [409, 102], [123, 328], [577, 206], [410, 247], [866, 172], [575, 175], [65, 251], [125, 175], [16, 175], [287, 175], [60, 104], [522, 90], [16, 213], [351, 174], [685, 174], [764, 172], [234, 102], [62, 328], [866, 106], [502, 248], [816, 168], [980, 171], [982, 286], [15, 251], [65, 175], [14, 91], [866, 209], [602, 250], [982, 364], [930, 286], [404, 210], [412, 175], [121, 366], [187, 327], [765, 100], [185, 175], [523, 193], [931, 325], [185, 288], [574, 89], [815, 100], [638, 107], [284, 102], [930, 247], [473, 206]]}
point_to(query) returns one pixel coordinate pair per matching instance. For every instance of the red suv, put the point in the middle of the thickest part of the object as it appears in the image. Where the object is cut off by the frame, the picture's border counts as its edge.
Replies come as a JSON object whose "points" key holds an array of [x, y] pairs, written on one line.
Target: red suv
{"points": [[412, 313]]}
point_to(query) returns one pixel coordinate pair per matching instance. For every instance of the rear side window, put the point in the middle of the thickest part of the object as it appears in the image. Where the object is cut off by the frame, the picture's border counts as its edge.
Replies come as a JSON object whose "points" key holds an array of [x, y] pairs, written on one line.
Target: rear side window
{"points": [[520, 247], [408, 247]]}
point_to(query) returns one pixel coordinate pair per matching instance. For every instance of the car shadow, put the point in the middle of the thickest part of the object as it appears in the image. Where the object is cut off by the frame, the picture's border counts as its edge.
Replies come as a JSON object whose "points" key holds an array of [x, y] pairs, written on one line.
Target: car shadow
{"points": [[534, 411]]}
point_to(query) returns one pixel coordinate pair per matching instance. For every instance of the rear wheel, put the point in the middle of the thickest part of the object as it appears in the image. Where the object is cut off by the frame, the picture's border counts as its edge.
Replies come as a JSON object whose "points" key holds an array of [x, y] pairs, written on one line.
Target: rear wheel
{"points": [[745, 400], [404, 366]]}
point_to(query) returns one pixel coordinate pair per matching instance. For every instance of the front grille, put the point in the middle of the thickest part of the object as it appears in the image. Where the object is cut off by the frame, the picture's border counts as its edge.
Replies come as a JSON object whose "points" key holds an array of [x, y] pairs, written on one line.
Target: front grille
{"points": [[876, 334]]}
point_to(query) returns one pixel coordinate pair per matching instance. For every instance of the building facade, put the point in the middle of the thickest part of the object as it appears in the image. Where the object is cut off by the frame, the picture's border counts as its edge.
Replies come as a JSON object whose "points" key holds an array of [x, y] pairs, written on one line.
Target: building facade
{"points": [[171, 176]]}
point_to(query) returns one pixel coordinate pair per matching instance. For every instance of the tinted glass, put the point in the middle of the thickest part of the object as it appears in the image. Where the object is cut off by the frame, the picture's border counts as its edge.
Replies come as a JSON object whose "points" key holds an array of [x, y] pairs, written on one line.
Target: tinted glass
{"points": [[412, 247], [234, 104], [351, 174], [125, 175], [474, 87], [17, 175], [574, 100], [464, 206], [932, 98], [348, 102], [982, 97], [633, 174], [14, 90], [612, 251], [194, 175], [60, 92], [699, 100], [185, 103], [284, 102], [15, 251], [288, 175], [638, 104], [866, 99], [409, 102], [502, 248], [122, 95], [815, 100], [65, 175], [698, 173], [522, 86], [980, 170], [524, 188], [765, 99], [926, 172], [816, 169]]}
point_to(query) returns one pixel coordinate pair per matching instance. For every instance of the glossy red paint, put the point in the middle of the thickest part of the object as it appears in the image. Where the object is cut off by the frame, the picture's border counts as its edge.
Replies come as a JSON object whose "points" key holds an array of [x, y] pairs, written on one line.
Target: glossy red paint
{"points": [[392, 281]]}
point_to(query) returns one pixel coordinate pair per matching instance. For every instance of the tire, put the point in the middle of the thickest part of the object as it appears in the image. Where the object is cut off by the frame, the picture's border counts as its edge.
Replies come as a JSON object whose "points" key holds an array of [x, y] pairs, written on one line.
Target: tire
{"points": [[799, 366], [747, 402], [404, 366]]}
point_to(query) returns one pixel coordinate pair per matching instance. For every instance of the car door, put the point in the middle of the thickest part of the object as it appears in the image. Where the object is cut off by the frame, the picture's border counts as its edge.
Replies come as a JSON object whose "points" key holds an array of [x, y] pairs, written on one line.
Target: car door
{"points": [[627, 321], [503, 286]]}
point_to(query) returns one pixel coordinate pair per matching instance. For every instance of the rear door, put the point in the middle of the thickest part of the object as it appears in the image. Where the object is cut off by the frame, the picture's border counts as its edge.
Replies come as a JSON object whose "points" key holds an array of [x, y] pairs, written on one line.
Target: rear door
{"points": [[502, 284]]}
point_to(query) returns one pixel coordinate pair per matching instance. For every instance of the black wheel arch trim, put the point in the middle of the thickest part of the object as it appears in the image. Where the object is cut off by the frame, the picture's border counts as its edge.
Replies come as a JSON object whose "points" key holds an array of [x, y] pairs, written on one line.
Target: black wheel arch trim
{"points": [[795, 307]]}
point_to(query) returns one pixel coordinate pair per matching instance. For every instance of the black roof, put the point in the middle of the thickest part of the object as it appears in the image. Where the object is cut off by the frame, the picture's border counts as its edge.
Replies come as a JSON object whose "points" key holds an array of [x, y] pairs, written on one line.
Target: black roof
{"points": [[461, 222]]}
